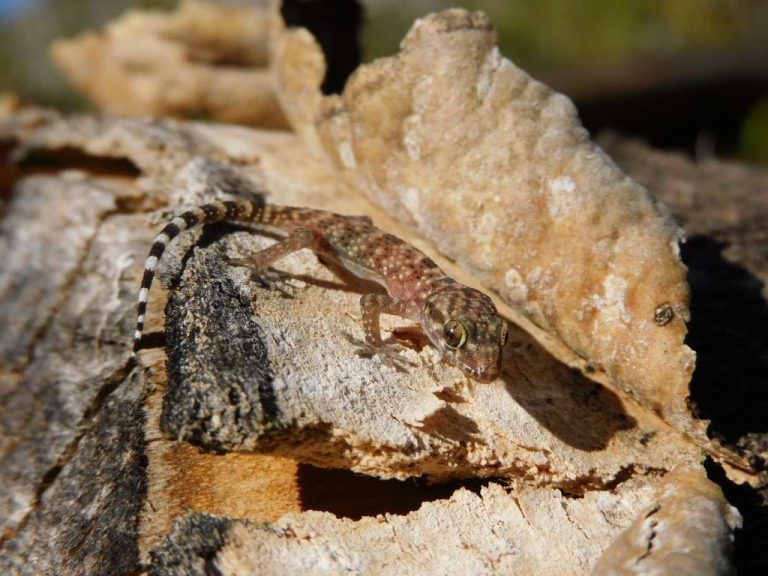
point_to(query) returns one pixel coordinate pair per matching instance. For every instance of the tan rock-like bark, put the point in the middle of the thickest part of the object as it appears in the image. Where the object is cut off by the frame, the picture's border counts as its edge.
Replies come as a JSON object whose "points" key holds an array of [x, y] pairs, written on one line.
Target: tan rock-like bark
{"points": [[495, 169], [202, 60], [684, 530]]}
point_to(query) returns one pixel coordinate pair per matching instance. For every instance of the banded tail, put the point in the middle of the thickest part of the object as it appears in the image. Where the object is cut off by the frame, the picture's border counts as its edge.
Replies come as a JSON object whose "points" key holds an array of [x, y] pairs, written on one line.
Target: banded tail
{"points": [[228, 210]]}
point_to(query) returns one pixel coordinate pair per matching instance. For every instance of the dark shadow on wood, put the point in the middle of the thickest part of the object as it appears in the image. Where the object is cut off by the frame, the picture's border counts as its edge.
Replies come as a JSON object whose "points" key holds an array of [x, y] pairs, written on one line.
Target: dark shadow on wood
{"points": [[65, 158], [349, 495], [750, 554], [582, 413], [729, 332]]}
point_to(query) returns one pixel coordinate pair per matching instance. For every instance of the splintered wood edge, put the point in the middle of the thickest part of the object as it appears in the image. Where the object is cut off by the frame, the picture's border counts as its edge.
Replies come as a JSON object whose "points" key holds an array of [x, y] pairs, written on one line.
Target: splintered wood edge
{"points": [[181, 478]]}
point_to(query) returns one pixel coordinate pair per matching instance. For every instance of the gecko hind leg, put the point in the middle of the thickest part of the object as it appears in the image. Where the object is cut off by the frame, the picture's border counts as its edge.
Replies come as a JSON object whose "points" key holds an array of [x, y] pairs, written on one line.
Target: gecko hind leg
{"points": [[372, 306], [259, 264]]}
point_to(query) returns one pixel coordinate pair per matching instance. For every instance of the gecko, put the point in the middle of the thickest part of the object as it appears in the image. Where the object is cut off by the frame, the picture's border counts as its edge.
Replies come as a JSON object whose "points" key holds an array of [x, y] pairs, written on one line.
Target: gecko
{"points": [[461, 322]]}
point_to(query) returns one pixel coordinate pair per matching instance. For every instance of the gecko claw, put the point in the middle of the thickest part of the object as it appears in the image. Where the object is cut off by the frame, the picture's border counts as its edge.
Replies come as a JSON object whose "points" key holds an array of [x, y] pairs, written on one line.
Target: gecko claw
{"points": [[390, 354], [275, 280], [269, 279]]}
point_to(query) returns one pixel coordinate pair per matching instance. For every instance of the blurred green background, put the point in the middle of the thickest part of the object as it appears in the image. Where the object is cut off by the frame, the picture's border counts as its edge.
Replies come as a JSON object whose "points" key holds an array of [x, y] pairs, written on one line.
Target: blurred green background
{"points": [[682, 74]]}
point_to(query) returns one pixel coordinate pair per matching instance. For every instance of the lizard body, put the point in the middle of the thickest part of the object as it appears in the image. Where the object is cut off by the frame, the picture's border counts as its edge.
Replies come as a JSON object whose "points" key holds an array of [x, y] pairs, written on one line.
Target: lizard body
{"points": [[461, 322]]}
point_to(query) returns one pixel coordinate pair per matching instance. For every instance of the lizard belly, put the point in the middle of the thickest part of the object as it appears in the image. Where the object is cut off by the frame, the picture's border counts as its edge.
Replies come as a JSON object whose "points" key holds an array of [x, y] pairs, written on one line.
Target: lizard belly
{"points": [[362, 271]]}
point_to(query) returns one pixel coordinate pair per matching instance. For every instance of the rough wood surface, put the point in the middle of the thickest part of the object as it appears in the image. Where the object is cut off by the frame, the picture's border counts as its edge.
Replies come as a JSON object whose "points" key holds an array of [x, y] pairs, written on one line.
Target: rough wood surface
{"points": [[551, 433], [497, 529], [683, 531]]}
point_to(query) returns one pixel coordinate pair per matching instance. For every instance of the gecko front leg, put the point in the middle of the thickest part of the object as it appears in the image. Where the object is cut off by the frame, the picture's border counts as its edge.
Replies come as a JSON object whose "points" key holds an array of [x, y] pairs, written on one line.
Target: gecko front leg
{"points": [[259, 264], [372, 306]]}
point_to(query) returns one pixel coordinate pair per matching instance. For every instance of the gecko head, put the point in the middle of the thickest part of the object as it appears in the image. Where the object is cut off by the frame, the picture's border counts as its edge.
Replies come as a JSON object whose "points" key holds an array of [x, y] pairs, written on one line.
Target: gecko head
{"points": [[465, 326]]}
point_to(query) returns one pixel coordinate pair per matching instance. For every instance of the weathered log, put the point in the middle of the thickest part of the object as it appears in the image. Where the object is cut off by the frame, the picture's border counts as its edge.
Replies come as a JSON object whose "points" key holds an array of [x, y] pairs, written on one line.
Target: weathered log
{"points": [[548, 431]]}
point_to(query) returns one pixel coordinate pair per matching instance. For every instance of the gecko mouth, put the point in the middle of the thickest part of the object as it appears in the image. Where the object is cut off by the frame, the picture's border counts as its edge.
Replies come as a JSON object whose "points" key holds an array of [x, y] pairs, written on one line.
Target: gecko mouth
{"points": [[478, 373]]}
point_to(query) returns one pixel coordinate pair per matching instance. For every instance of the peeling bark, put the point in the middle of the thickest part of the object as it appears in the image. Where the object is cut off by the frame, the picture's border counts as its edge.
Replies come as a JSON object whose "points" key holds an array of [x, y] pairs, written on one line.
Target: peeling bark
{"points": [[128, 67], [453, 139], [84, 513]]}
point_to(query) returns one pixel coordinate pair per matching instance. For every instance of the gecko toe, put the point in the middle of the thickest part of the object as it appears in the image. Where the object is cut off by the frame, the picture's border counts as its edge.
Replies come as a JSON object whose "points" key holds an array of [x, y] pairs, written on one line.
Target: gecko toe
{"points": [[390, 354], [275, 280], [394, 359], [269, 279]]}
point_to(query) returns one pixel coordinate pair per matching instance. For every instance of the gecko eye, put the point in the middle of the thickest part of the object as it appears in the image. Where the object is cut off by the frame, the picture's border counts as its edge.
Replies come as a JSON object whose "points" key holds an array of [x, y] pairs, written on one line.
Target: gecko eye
{"points": [[504, 334], [454, 334]]}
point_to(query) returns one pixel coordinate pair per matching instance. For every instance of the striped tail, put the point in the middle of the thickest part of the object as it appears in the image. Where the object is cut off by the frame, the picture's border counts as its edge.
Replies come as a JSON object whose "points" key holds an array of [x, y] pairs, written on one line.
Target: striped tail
{"points": [[230, 210]]}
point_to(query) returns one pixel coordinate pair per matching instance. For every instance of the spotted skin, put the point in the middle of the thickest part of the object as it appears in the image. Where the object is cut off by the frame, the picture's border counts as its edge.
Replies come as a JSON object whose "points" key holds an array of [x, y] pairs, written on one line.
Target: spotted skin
{"points": [[461, 322]]}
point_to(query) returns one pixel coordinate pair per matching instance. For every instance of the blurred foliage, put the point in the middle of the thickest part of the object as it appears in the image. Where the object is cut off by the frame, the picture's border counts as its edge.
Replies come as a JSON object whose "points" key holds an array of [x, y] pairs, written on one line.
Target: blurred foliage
{"points": [[551, 33], [754, 133], [24, 40]]}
